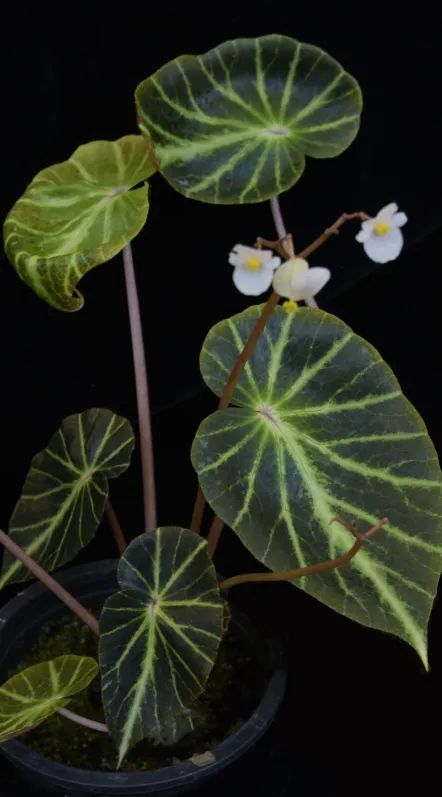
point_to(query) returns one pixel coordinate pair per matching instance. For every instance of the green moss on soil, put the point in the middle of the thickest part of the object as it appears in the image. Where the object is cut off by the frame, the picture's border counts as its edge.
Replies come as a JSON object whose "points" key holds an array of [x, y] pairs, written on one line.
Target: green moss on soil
{"points": [[233, 691]]}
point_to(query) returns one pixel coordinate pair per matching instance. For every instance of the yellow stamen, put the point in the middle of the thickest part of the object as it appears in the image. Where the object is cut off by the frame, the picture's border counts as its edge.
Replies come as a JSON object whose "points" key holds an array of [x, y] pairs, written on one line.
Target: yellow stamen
{"points": [[382, 227], [290, 305], [253, 263]]}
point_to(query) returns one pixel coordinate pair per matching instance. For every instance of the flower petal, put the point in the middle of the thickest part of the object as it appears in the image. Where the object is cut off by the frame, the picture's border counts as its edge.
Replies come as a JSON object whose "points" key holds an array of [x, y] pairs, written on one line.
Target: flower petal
{"points": [[364, 235], [383, 248], [272, 264], [282, 279], [387, 212], [240, 254], [243, 251], [399, 219], [265, 255], [309, 283], [252, 283], [235, 259]]}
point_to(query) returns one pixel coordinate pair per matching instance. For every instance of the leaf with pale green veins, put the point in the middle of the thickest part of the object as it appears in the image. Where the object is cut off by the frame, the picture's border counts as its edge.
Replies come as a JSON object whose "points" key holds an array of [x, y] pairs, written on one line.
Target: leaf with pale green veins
{"points": [[159, 635], [234, 125], [321, 428], [34, 694], [77, 214], [63, 497]]}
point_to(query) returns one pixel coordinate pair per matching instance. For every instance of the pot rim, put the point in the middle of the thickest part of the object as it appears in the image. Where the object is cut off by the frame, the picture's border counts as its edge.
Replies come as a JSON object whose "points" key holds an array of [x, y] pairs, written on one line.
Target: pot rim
{"points": [[165, 778]]}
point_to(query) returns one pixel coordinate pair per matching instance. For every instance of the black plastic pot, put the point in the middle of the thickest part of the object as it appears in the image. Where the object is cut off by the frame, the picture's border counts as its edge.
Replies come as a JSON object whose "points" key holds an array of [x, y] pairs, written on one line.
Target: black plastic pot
{"points": [[20, 623]]}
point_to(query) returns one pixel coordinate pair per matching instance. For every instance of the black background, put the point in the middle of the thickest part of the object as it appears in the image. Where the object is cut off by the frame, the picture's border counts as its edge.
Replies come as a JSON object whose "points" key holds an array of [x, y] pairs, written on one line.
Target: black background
{"points": [[361, 714]]}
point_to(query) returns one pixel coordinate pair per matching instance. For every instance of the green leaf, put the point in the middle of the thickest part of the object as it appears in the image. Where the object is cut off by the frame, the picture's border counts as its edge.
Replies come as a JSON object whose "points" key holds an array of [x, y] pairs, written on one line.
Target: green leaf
{"points": [[159, 636], [179, 726], [34, 694], [63, 497], [77, 214], [322, 429], [234, 125]]}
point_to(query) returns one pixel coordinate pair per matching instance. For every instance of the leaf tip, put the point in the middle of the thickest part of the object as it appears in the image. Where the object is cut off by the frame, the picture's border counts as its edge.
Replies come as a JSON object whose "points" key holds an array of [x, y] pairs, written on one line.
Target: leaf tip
{"points": [[422, 652]]}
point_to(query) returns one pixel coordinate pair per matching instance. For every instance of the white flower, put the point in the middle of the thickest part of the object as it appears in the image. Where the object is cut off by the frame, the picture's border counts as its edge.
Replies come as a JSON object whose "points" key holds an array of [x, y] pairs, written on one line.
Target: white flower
{"points": [[381, 236], [253, 272], [296, 281]]}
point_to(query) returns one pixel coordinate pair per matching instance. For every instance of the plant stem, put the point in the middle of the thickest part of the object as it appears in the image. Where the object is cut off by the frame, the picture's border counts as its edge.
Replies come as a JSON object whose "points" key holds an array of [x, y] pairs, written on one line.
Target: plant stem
{"points": [[332, 230], [200, 502], [258, 329], [198, 511], [214, 535], [142, 390], [115, 527], [274, 298], [87, 723], [247, 351], [277, 217], [300, 572], [321, 239], [284, 246], [217, 526], [50, 582]]}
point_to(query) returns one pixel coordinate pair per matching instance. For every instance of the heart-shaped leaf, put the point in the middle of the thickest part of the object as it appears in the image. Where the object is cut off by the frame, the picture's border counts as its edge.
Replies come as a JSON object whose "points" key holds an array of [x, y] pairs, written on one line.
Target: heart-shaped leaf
{"points": [[34, 694], [63, 497], [322, 429], [77, 214], [159, 636], [234, 125]]}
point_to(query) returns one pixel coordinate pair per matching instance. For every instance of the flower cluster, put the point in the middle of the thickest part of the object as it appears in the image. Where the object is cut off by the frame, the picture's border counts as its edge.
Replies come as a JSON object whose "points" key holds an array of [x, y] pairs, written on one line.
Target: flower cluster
{"points": [[255, 270]]}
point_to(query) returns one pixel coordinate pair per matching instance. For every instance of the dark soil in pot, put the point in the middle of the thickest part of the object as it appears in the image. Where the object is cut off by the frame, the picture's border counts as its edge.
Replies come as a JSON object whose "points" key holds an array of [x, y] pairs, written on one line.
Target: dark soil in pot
{"points": [[246, 689], [233, 691]]}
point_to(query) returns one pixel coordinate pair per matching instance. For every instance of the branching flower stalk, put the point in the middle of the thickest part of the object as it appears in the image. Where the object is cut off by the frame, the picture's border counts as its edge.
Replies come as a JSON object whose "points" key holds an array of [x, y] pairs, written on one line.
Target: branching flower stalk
{"points": [[285, 246], [271, 304]]}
